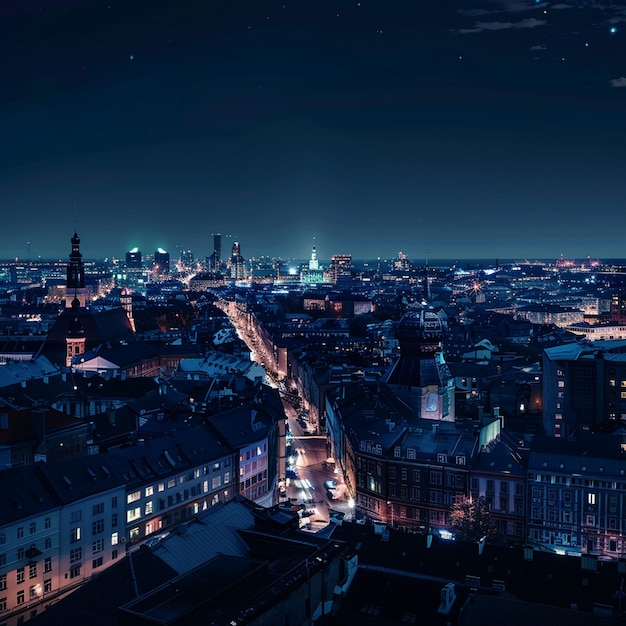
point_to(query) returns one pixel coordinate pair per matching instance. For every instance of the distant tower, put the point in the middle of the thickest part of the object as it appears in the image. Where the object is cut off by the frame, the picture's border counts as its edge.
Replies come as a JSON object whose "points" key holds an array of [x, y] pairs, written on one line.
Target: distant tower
{"points": [[313, 262], [237, 263], [161, 262], [341, 268], [217, 251], [75, 285], [133, 258]]}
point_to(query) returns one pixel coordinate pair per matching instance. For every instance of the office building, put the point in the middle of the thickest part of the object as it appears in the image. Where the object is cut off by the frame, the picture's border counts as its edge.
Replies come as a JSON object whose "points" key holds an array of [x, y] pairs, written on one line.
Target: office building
{"points": [[161, 263], [133, 258]]}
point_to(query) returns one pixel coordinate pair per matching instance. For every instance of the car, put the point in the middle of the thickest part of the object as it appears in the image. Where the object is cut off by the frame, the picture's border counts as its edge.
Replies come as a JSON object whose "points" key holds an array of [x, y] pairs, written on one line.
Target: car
{"points": [[331, 485]]}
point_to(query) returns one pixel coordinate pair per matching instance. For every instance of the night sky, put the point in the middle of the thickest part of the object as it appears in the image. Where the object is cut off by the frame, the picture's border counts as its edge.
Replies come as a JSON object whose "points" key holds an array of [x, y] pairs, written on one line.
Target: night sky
{"points": [[451, 129]]}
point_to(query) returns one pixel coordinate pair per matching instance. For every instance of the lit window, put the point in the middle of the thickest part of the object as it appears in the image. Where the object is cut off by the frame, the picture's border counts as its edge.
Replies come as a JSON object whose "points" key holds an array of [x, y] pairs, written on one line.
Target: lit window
{"points": [[133, 514]]}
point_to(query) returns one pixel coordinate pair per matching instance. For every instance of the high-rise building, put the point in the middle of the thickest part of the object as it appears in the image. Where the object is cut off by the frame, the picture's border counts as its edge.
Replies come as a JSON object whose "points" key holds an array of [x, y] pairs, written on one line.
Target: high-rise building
{"points": [[133, 258], [237, 263], [161, 262], [217, 250], [341, 268], [186, 258]]}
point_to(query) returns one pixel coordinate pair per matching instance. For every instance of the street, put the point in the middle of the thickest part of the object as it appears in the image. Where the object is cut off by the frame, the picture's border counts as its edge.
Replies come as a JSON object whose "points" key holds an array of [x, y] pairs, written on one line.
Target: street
{"points": [[309, 466], [312, 468]]}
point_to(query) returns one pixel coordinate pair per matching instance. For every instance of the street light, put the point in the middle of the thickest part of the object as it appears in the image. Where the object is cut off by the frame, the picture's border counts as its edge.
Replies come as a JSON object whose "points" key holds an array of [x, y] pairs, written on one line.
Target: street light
{"points": [[390, 505]]}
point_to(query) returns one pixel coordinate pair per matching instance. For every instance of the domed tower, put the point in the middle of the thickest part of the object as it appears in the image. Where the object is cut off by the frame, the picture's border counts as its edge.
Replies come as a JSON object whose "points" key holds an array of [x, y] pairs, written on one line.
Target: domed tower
{"points": [[420, 334], [420, 376], [75, 285]]}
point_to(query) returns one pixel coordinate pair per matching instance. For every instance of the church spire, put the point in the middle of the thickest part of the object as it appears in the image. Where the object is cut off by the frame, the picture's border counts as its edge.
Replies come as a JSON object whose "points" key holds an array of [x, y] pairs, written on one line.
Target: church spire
{"points": [[75, 286]]}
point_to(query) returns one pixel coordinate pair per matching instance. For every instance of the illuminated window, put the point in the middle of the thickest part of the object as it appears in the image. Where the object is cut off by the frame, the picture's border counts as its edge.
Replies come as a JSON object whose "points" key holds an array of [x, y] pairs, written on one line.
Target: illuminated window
{"points": [[591, 498], [133, 514], [149, 491], [133, 497]]}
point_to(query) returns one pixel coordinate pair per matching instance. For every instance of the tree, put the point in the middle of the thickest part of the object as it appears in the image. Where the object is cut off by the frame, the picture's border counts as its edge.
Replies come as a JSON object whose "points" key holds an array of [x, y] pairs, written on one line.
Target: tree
{"points": [[470, 519]]}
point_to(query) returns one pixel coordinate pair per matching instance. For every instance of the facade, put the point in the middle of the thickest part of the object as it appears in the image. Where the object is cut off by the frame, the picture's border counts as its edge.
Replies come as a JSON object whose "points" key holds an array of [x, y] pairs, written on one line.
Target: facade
{"points": [[169, 480], [599, 332], [254, 435], [341, 268], [499, 475], [550, 314], [584, 387], [57, 529], [618, 308], [577, 495], [402, 470]]}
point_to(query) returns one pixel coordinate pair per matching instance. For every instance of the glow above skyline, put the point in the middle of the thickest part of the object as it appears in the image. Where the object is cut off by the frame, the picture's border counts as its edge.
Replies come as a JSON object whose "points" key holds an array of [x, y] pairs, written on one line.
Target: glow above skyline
{"points": [[491, 130]]}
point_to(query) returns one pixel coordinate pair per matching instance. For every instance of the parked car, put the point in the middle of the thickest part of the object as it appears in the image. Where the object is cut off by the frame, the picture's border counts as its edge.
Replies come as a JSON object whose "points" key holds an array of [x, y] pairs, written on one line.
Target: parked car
{"points": [[331, 485]]}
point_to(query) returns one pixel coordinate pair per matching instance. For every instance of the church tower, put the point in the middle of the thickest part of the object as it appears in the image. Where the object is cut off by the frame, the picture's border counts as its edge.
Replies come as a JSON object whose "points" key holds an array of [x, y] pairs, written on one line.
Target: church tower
{"points": [[313, 262], [75, 339], [75, 286]]}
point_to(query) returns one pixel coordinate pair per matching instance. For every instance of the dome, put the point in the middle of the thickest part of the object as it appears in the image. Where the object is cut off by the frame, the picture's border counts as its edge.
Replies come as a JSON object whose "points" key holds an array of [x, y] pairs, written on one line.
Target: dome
{"points": [[419, 331]]}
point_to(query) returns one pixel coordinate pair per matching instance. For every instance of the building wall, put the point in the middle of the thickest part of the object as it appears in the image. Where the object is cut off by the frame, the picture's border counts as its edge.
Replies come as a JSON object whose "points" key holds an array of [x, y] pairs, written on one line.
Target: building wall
{"points": [[253, 470], [155, 505], [25, 580]]}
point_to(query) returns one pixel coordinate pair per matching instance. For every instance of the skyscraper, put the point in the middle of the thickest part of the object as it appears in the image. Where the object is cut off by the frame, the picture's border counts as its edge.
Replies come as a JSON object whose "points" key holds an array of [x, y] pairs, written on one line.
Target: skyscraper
{"points": [[237, 263], [133, 258], [161, 262], [217, 251], [341, 268]]}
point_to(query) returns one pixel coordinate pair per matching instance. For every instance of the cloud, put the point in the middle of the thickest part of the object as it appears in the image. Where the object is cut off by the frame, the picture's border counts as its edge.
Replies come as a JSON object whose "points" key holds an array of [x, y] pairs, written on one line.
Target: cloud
{"points": [[618, 82], [482, 26], [561, 6], [505, 6], [541, 46]]}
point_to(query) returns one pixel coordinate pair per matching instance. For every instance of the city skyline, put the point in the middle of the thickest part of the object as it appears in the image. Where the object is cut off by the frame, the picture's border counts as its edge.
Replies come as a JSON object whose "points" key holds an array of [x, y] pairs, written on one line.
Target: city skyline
{"points": [[452, 131]]}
